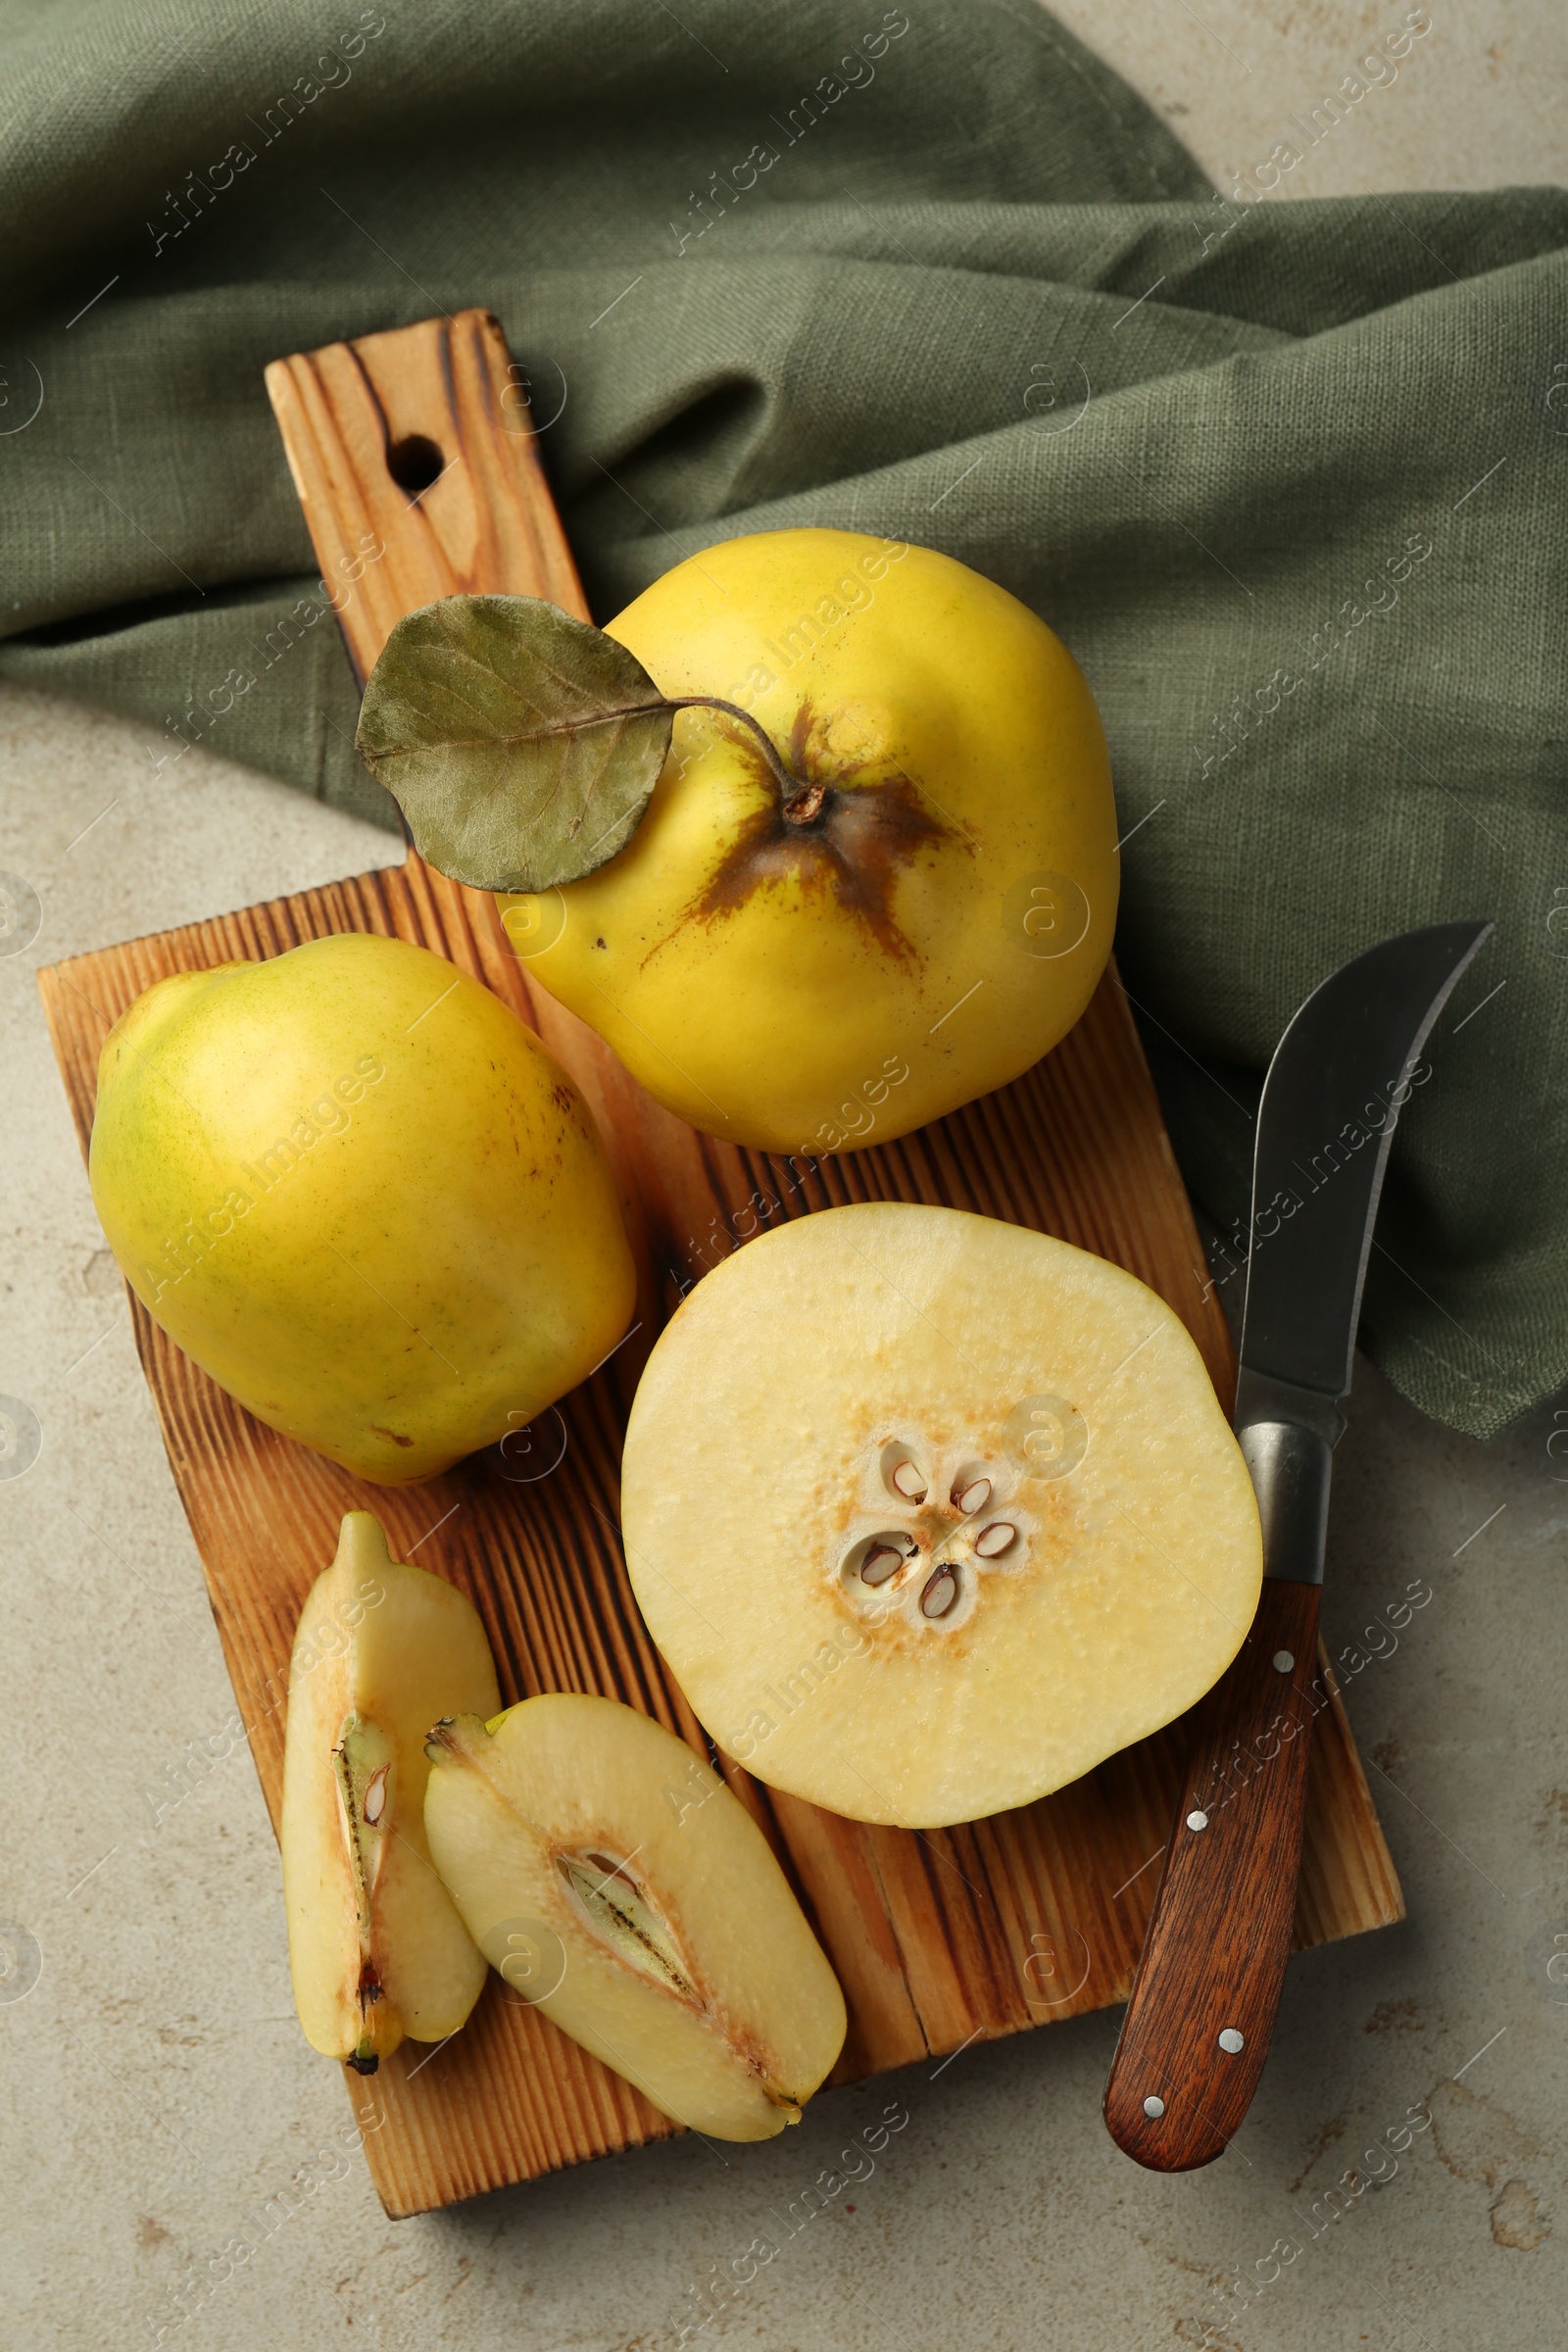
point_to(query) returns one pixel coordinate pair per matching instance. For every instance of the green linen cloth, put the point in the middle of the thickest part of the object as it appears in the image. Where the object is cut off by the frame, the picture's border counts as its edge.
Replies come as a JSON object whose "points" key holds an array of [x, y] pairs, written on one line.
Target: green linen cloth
{"points": [[1286, 477]]}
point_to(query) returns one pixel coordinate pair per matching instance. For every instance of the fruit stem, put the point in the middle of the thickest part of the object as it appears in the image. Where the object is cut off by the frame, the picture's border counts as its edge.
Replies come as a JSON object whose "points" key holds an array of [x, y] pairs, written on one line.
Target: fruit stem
{"points": [[799, 802]]}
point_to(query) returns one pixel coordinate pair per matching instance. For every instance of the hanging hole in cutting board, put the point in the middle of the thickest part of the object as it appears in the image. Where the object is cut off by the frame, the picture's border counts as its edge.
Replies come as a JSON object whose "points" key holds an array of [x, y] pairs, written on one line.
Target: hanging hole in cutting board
{"points": [[414, 463]]}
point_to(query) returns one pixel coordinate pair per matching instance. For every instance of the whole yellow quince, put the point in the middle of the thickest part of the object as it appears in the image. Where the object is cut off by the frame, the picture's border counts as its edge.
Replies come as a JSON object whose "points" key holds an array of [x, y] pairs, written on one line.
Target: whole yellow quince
{"points": [[362, 1195], [924, 914]]}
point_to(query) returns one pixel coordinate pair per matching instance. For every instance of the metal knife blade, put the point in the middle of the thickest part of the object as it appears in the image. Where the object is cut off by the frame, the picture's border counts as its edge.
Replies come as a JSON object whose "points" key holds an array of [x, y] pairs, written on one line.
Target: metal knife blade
{"points": [[1340, 1077], [1198, 2026]]}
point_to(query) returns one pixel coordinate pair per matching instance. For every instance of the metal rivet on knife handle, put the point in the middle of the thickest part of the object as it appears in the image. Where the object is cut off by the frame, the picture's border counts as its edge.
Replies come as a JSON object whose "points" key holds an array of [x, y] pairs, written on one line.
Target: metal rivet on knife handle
{"points": [[1283, 1661], [1197, 1821], [1230, 2042], [1153, 2107]]}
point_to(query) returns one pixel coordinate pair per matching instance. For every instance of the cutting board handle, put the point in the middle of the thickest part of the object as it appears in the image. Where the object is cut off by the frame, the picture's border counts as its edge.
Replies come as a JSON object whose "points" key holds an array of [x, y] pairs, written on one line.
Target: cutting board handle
{"points": [[420, 443]]}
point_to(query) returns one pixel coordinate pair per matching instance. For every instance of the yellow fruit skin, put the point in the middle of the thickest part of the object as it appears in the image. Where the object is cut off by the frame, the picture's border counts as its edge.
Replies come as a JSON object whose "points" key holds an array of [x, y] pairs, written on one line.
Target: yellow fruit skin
{"points": [[359, 1194], [814, 991]]}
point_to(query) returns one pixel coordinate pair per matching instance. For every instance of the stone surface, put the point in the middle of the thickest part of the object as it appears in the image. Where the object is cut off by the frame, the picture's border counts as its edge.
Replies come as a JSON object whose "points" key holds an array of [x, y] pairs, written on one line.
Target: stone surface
{"points": [[175, 2153], [1476, 103]]}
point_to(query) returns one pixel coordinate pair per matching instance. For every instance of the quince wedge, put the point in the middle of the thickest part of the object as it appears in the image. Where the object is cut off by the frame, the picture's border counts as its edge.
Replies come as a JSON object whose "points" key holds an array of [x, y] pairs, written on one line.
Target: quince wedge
{"points": [[618, 1885], [930, 1514], [377, 1949]]}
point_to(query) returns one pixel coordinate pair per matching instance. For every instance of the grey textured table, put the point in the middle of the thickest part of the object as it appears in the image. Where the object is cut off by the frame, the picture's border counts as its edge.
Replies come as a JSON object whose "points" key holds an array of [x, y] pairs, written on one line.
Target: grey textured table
{"points": [[1401, 2180]]}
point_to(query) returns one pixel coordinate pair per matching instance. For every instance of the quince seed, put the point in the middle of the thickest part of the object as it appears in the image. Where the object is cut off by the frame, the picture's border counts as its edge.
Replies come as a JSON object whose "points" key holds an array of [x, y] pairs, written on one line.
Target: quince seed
{"points": [[940, 1591], [374, 1805], [994, 1539]]}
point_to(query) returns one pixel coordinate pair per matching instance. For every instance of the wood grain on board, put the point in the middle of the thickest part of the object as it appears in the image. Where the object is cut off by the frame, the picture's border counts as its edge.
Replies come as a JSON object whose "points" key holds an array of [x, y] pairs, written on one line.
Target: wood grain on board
{"points": [[419, 476]]}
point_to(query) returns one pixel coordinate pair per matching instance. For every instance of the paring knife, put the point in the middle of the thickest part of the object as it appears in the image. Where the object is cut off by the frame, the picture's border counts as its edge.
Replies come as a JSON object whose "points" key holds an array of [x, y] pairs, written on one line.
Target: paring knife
{"points": [[1197, 2026]]}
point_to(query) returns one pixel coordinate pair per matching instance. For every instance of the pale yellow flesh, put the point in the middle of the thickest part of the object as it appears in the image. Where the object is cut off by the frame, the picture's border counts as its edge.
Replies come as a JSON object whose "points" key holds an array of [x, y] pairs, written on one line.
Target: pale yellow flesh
{"points": [[384, 1648], [754, 1460], [758, 2018], [815, 1008], [359, 1194]]}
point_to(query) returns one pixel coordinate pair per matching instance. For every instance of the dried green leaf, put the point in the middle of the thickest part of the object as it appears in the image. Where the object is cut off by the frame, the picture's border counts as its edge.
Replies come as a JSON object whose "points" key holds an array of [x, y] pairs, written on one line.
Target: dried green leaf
{"points": [[520, 744]]}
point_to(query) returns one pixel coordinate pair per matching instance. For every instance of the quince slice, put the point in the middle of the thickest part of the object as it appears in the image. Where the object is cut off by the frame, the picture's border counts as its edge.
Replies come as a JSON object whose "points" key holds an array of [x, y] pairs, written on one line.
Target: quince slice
{"points": [[929, 1514], [616, 1883], [375, 1948]]}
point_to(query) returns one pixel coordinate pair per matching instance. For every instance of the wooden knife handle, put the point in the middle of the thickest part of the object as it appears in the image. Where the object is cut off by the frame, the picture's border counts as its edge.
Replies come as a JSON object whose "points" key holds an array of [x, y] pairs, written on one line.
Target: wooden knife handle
{"points": [[1197, 2026]]}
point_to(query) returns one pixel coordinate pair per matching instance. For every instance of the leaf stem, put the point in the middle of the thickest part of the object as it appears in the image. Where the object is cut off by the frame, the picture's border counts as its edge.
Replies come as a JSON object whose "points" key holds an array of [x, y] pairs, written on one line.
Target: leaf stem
{"points": [[799, 801]]}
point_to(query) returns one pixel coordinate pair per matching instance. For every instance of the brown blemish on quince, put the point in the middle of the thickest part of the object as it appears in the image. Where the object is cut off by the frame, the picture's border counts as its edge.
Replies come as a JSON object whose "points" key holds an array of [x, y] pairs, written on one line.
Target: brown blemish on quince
{"points": [[856, 839]]}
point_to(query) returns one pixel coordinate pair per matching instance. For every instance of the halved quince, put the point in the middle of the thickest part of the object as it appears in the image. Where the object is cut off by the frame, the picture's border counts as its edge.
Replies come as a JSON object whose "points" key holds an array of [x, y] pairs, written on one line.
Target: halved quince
{"points": [[619, 1884], [930, 1514]]}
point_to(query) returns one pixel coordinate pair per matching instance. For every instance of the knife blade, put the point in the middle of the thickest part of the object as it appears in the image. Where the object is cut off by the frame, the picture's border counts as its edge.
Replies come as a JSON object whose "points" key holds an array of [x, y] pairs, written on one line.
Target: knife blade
{"points": [[1197, 2026]]}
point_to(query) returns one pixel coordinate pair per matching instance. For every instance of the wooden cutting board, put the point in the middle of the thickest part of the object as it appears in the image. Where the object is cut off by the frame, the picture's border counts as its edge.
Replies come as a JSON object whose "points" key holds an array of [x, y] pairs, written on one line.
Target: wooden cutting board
{"points": [[419, 475]]}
